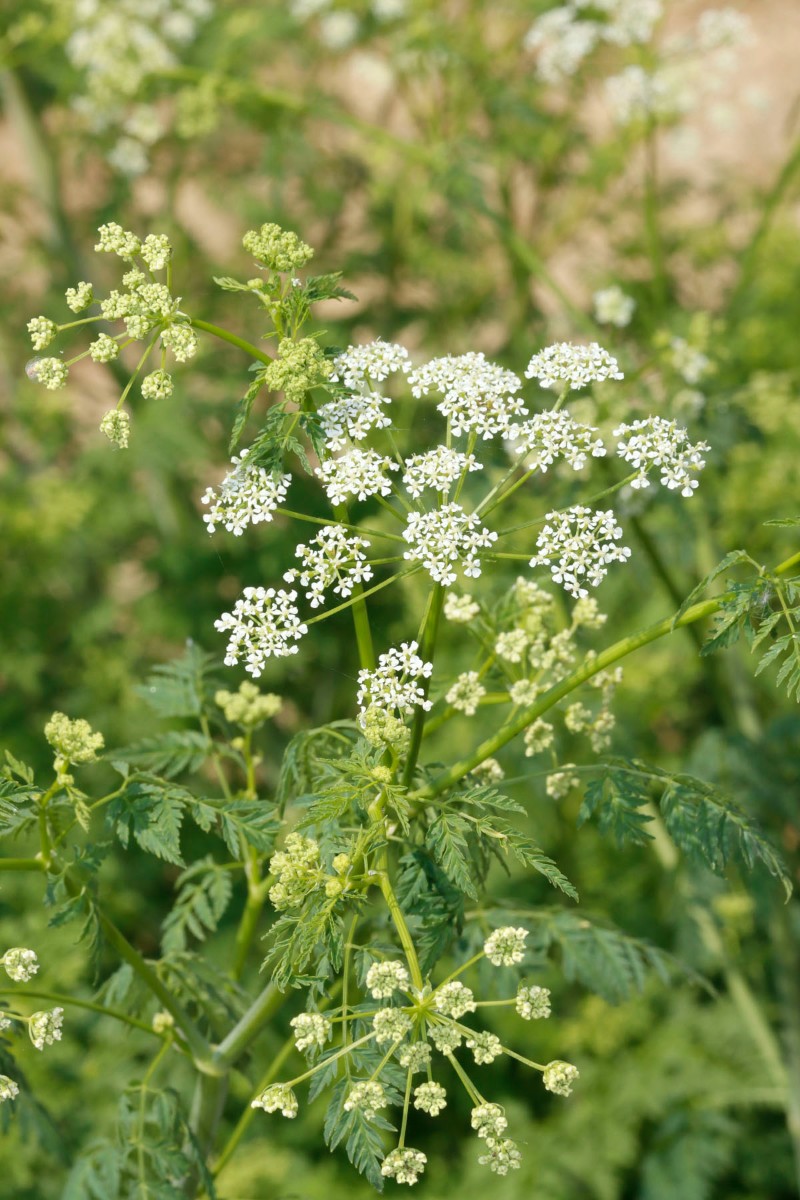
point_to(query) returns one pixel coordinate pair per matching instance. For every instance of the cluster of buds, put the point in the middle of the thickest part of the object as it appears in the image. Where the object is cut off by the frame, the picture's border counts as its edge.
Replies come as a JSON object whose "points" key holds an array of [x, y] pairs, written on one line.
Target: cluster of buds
{"points": [[44, 1028]]}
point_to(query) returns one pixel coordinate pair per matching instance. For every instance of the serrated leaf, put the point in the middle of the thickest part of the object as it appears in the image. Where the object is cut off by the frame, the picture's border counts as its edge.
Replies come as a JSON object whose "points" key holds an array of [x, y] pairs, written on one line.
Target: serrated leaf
{"points": [[730, 560], [447, 841], [228, 284], [204, 893], [168, 754], [180, 688], [242, 414]]}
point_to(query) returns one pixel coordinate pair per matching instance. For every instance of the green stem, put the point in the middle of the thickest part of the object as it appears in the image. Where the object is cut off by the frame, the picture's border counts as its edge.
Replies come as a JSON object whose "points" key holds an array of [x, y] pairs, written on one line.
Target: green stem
{"points": [[366, 650], [249, 1113], [427, 646], [403, 933], [22, 864], [231, 338], [377, 533], [606, 658]]}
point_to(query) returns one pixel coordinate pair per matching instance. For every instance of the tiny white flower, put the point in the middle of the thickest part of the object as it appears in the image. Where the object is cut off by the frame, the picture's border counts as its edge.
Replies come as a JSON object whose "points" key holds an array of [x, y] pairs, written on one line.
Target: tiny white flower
{"points": [[573, 366], [279, 1097], [505, 947], [404, 1165], [559, 1077], [453, 999], [20, 964], [311, 1030], [385, 978], [533, 1003], [430, 1098]]}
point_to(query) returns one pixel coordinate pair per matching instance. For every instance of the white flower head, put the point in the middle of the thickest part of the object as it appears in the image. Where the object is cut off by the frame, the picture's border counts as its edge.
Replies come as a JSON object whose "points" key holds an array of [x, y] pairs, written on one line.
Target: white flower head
{"points": [[533, 1003], [489, 1121], [385, 978], [466, 693], [548, 436], [637, 94], [394, 686], [538, 736], [391, 1025], [367, 1096], [363, 366], [311, 1029], [612, 306], [359, 473], [664, 445], [415, 1056], [453, 999], [578, 545], [559, 783], [404, 1165], [479, 395], [437, 470], [278, 1097], [8, 1089], [559, 1077], [248, 495], [567, 365], [430, 1098], [485, 1047], [501, 1156], [445, 1037], [460, 609], [334, 558], [265, 623], [505, 947], [44, 1028], [446, 539], [561, 42], [351, 418], [20, 964]]}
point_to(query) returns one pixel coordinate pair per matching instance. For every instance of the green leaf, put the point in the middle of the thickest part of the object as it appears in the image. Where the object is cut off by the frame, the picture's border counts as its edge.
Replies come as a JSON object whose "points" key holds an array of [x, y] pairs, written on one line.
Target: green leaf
{"points": [[180, 688], [204, 893], [242, 414], [783, 522], [730, 560], [169, 753], [447, 841], [252, 821], [228, 284], [152, 811], [616, 798]]}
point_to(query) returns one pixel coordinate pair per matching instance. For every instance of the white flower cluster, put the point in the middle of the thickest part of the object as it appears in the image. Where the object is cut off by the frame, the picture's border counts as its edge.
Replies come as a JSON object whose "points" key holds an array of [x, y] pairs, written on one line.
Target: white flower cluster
{"points": [[247, 495], [359, 473], [577, 546], [351, 418], [454, 999], [332, 557], [485, 1047], [415, 1057], [466, 693], [505, 946], [385, 978], [656, 442], [437, 469], [367, 1096], [533, 1003], [566, 365], [265, 623], [612, 306], [501, 1156], [564, 37], [311, 1030], [117, 45], [637, 94], [394, 686], [430, 1098], [479, 396], [446, 536], [404, 1165], [460, 609], [369, 364], [690, 363], [559, 1077], [20, 964], [279, 1097], [8, 1089], [44, 1028], [551, 435], [391, 1025]]}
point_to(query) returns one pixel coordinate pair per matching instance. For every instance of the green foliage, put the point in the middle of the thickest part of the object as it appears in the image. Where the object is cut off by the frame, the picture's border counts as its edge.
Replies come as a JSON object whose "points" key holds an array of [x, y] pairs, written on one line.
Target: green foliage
{"points": [[204, 893], [707, 825]]}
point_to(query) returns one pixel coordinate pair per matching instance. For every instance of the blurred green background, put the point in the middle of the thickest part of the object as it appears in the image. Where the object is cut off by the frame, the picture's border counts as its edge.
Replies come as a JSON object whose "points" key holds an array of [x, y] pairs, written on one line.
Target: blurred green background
{"points": [[471, 206]]}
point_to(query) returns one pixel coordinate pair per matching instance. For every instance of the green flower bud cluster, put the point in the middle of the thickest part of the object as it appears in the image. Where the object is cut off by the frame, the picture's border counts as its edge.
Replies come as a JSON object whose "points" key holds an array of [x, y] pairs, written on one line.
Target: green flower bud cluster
{"points": [[248, 706], [300, 364], [367, 1097], [116, 425], [73, 741], [279, 1097], [297, 871], [383, 728], [277, 249]]}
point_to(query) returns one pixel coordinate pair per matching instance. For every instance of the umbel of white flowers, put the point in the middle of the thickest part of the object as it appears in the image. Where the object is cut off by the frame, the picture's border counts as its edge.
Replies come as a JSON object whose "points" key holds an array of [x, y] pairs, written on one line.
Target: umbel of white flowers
{"points": [[402, 1029]]}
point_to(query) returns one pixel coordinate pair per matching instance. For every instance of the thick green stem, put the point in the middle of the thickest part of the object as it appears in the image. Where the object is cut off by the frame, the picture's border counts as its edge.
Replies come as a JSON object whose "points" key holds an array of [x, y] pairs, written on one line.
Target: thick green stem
{"points": [[231, 338]]}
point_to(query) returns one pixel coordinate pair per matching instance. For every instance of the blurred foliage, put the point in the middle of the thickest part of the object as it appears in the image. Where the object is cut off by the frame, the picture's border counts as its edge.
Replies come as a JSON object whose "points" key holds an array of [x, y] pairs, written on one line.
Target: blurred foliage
{"points": [[469, 208]]}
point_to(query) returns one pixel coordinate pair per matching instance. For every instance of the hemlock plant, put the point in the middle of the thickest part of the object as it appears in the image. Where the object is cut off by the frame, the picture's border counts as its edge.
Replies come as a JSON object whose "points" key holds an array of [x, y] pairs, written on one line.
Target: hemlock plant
{"points": [[366, 868]]}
